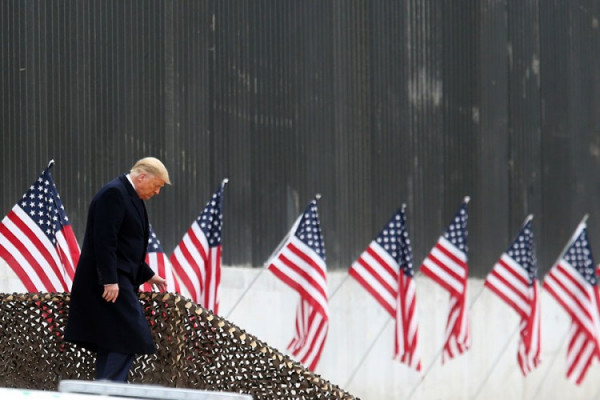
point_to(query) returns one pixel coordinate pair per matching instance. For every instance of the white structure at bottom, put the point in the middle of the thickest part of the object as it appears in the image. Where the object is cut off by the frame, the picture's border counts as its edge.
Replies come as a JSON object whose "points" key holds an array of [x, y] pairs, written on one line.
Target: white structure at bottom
{"points": [[358, 352]]}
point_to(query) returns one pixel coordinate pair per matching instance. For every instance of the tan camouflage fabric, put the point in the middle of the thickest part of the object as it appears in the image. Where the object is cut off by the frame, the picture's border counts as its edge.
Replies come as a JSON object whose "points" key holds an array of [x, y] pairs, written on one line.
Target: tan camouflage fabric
{"points": [[196, 349]]}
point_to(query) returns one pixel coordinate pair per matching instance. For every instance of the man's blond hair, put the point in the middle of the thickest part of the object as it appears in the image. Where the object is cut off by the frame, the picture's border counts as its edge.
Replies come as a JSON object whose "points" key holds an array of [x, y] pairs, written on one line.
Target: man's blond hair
{"points": [[153, 166]]}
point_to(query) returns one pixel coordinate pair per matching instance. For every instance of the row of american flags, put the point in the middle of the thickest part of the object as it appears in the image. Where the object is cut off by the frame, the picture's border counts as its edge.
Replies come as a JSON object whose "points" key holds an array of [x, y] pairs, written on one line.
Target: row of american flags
{"points": [[38, 243]]}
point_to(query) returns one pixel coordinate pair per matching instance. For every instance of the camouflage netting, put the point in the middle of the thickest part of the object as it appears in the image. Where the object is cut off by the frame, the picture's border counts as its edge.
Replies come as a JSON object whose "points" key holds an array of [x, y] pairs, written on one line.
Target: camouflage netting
{"points": [[196, 349]]}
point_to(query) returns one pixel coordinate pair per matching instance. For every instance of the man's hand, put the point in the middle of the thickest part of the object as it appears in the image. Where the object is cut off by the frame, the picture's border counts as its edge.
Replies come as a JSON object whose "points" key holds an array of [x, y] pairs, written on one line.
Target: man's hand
{"points": [[111, 292], [161, 283]]}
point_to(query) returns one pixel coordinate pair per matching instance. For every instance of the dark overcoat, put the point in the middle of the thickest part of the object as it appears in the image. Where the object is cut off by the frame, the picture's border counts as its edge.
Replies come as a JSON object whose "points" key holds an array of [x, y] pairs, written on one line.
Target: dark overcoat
{"points": [[114, 251]]}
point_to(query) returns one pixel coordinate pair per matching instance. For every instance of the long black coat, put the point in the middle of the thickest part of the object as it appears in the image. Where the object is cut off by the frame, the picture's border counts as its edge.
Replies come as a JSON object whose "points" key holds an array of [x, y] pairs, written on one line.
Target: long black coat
{"points": [[114, 250]]}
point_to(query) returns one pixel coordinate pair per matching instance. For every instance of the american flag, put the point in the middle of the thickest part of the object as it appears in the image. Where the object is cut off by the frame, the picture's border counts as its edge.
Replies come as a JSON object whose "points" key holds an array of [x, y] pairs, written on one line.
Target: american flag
{"points": [[300, 263], [159, 262], [37, 241], [197, 258], [385, 269], [447, 265], [514, 280], [573, 283]]}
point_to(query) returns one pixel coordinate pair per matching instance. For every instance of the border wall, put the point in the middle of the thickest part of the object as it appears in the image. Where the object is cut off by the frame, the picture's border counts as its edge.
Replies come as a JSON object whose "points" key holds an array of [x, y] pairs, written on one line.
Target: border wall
{"points": [[370, 103]]}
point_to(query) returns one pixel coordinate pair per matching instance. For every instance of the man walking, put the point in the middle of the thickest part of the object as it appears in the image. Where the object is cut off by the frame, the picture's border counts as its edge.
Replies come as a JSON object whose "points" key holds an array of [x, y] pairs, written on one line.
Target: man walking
{"points": [[105, 314]]}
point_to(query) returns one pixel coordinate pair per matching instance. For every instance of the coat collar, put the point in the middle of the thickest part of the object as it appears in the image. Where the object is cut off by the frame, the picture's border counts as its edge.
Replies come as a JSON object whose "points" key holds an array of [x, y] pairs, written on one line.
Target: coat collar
{"points": [[128, 185], [135, 199]]}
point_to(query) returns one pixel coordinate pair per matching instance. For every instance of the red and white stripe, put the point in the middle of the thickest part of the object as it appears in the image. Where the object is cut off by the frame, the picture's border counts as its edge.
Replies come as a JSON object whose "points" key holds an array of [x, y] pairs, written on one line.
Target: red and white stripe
{"points": [[32, 256], [310, 335], [458, 332], [530, 342], [582, 353], [577, 297], [406, 331], [68, 251], [158, 261], [304, 271], [198, 267], [581, 301], [378, 272], [447, 266], [509, 281]]}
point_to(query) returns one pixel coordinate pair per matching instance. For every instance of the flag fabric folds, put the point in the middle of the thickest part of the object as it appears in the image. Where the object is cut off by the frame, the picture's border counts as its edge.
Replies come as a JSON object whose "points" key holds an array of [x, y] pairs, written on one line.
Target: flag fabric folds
{"points": [[310, 334], [447, 265], [386, 271], [197, 258], [300, 263], [573, 283], [160, 264], [37, 240], [514, 280]]}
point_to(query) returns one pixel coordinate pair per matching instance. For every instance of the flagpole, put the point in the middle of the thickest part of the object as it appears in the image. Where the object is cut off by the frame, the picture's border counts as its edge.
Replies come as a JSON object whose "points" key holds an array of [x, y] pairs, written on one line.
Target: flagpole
{"points": [[367, 353], [282, 242], [339, 286], [265, 265], [287, 236], [572, 238], [439, 353], [273, 254], [537, 390], [245, 291], [495, 363]]}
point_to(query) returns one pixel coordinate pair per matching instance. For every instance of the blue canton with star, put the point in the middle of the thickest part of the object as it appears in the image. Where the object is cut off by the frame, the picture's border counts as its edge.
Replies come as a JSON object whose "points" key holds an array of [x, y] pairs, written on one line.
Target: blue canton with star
{"points": [[522, 250], [394, 240], [579, 255], [309, 230], [42, 204], [211, 219], [457, 231], [153, 243]]}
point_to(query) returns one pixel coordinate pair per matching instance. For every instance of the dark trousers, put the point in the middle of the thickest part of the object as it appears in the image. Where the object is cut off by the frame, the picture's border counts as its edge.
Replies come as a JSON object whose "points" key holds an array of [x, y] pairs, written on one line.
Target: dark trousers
{"points": [[113, 366]]}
